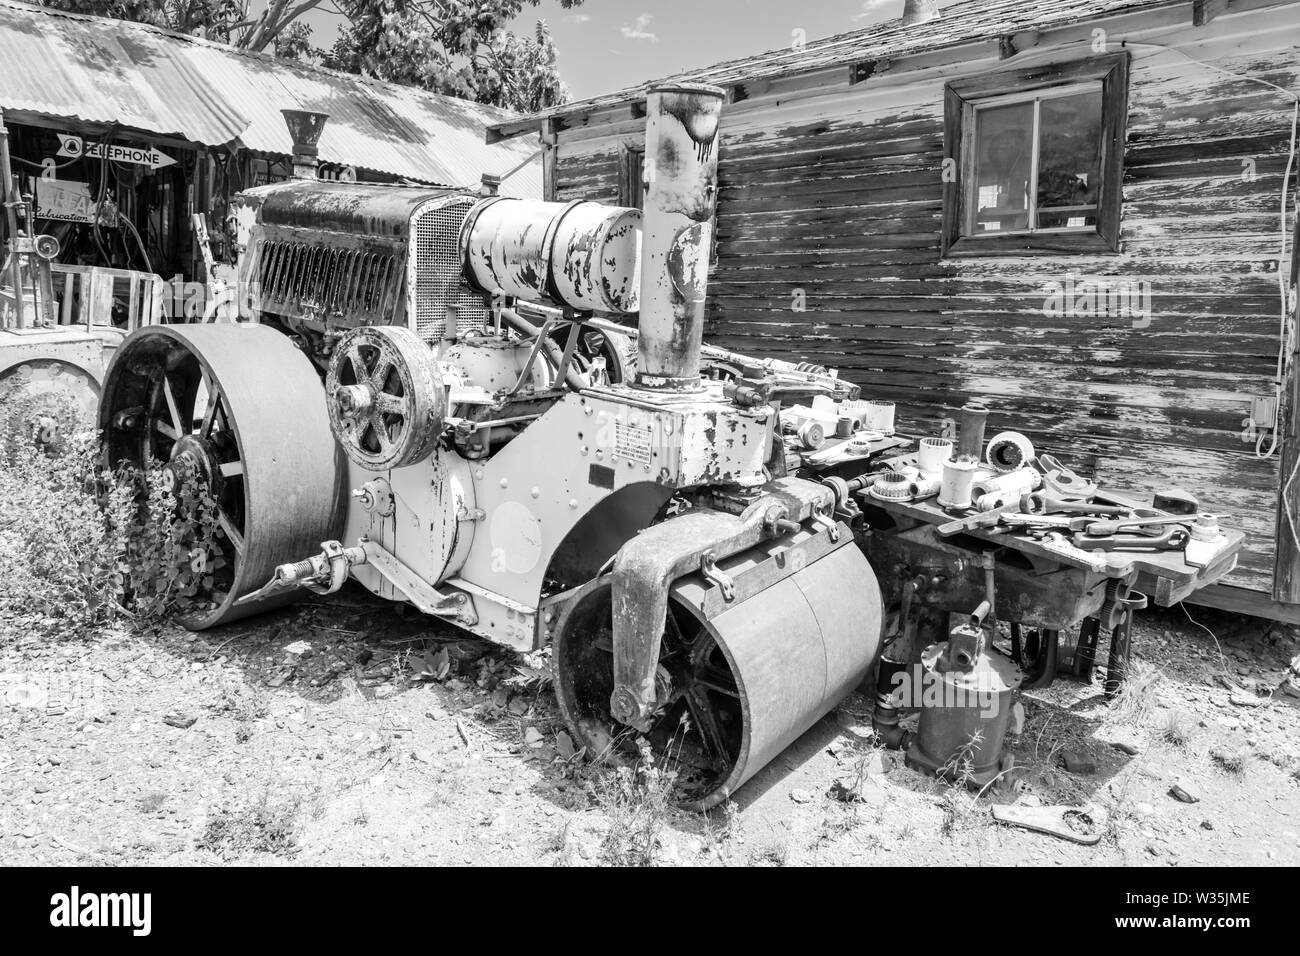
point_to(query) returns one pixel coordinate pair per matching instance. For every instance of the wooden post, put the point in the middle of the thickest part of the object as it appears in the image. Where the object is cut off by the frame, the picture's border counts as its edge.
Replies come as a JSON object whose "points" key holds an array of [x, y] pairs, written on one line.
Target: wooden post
{"points": [[1286, 562]]}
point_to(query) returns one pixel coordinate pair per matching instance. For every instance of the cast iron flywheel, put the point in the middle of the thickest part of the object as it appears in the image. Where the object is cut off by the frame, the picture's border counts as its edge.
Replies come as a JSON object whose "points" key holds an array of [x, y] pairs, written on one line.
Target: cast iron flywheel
{"points": [[386, 398], [242, 411]]}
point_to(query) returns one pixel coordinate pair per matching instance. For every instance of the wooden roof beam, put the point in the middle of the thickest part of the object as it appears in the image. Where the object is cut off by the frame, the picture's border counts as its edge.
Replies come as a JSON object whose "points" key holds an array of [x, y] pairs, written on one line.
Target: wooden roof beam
{"points": [[1012, 43]]}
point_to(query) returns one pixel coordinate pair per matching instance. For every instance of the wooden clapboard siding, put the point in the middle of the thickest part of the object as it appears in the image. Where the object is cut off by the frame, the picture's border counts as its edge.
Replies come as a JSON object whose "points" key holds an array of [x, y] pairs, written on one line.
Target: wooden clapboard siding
{"points": [[831, 196]]}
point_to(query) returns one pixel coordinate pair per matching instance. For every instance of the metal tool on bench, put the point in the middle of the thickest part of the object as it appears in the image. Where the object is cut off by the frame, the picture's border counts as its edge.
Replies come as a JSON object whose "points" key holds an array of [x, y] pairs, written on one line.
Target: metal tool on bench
{"points": [[1038, 502], [1171, 539], [1062, 480], [1115, 526]]}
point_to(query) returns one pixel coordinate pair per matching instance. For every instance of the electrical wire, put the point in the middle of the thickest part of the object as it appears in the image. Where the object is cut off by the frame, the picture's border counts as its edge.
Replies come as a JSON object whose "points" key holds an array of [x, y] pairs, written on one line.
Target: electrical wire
{"points": [[1284, 338]]}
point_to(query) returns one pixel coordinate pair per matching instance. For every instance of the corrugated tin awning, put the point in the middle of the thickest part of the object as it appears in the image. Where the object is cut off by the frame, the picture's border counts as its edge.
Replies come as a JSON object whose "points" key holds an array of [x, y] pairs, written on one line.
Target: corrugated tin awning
{"points": [[96, 70], [380, 126], [99, 71]]}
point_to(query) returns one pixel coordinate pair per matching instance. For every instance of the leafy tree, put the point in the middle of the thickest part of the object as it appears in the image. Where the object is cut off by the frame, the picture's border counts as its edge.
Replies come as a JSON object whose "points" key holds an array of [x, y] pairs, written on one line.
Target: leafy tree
{"points": [[461, 47]]}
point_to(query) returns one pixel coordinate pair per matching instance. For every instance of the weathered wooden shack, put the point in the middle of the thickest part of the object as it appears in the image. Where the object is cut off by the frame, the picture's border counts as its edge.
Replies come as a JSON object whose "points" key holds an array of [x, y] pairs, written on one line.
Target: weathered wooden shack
{"points": [[1081, 212]]}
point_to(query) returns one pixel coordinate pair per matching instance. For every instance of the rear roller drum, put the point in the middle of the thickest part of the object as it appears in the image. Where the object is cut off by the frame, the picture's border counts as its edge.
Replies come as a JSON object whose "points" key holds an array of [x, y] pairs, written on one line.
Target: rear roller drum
{"points": [[241, 412], [734, 691]]}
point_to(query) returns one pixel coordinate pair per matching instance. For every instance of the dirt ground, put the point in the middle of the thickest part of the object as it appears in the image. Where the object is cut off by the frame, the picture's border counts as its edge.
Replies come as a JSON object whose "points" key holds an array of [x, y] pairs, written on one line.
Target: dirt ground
{"points": [[346, 732]]}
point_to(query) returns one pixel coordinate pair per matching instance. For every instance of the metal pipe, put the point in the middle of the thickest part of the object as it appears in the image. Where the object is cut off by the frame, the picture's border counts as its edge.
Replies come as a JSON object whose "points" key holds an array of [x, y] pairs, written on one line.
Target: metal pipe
{"points": [[11, 200], [575, 379], [681, 196], [970, 441]]}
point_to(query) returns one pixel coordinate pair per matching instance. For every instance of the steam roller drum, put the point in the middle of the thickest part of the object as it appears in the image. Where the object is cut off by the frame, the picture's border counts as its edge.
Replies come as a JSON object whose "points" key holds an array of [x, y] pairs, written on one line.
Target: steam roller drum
{"points": [[738, 688], [385, 396], [44, 400], [241, 411]]}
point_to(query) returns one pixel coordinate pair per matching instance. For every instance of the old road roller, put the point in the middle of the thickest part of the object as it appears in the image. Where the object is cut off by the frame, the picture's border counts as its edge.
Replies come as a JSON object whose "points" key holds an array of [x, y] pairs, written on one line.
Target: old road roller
{"points": [[436, 399]]}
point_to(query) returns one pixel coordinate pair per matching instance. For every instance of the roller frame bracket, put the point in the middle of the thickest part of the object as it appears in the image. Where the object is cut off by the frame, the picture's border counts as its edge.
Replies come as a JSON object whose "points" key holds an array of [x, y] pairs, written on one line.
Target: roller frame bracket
{"points": [[645, 569]]}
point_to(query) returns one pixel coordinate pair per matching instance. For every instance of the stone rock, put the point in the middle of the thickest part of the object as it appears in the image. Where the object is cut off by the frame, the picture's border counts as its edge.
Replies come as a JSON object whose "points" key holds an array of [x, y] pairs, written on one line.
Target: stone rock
{"points": [[878, 764], [1127, 747], [1185, 792], [1017, 724], [802, 796], [1077, 761]]}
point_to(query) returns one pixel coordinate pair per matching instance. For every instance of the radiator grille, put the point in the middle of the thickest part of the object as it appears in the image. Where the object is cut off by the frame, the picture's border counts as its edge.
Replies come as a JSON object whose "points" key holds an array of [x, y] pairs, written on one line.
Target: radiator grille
{"points": [[435, 277], [299, 278]]}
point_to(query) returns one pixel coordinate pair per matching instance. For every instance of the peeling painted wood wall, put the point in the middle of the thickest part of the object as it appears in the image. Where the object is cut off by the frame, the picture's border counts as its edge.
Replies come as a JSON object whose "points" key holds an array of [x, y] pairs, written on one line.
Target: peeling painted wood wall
{"points": [[835, 190]]}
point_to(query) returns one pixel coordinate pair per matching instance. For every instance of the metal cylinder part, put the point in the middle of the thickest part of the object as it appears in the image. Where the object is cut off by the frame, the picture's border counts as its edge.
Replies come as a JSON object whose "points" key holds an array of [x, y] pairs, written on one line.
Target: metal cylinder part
{"points": [[970, 441], [681, 194], [1008, 451], [877, 415], [955, 488], [1010, 486], [933, 454], [584, 255]]}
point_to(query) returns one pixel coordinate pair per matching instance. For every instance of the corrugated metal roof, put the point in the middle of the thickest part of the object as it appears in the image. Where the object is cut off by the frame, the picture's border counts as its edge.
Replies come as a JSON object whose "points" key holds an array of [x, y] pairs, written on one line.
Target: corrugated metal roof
{"points": [[100, 70], [381, 126], [85, 69], [958, 23]]}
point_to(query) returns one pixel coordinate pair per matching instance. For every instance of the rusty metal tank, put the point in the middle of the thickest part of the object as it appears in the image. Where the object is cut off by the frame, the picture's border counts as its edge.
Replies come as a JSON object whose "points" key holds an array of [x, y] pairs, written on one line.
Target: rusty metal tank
{"points": [[584, 255]]}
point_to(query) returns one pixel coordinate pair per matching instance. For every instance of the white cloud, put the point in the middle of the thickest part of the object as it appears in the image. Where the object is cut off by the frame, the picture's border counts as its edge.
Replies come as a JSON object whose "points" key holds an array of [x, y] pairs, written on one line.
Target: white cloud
{"points": [[577, 17], [638, 30], [871, 7]]}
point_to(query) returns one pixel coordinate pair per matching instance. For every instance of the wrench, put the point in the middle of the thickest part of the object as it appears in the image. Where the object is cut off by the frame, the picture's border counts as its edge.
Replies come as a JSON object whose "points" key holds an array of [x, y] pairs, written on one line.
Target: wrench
{"points": [[1113, 527], [1039, 503], [1173, 539]]}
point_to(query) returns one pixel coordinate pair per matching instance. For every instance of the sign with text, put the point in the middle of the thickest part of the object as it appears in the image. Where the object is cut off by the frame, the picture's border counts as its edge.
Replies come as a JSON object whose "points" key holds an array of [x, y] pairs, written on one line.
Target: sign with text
{"points": [[64, 199], [73, 147]]}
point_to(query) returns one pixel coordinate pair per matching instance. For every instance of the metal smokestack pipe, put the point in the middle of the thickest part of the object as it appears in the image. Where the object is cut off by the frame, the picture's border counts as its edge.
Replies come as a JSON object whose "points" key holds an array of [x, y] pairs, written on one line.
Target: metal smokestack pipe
{"points": [[305, 127], [919, 11], [681, 164]]}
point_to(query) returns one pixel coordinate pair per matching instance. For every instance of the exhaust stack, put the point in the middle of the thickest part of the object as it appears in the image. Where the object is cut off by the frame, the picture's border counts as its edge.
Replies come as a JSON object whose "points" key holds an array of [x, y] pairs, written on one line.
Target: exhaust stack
{"points": [[919, 11], [305, 128], [677, 235]]}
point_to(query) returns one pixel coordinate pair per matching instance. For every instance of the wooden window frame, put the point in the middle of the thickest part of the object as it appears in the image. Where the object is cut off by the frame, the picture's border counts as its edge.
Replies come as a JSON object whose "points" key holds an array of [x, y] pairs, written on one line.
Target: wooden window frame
{"points": [[960, 100]]}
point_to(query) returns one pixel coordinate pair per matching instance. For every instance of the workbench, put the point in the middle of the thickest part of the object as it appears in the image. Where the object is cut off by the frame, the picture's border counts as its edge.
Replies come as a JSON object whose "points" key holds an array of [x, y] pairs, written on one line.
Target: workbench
{"points": [[1039, 590]]}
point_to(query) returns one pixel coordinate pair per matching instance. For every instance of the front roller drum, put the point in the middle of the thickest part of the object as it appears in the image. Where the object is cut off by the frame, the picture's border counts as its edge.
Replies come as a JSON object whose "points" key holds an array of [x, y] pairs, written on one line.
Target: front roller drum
{"points": [[240, 410], [740, 687]]}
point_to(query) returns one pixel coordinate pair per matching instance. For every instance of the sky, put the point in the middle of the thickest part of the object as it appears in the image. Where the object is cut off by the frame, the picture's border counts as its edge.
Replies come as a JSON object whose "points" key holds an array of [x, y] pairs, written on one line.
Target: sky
{"points": [[607, 45]]}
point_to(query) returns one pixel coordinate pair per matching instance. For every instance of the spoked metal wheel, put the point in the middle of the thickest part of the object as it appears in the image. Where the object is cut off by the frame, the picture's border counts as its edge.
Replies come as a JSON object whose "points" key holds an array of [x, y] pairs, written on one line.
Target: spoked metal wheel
{"points": [[699, 732], [241, 412], [386, 397]]}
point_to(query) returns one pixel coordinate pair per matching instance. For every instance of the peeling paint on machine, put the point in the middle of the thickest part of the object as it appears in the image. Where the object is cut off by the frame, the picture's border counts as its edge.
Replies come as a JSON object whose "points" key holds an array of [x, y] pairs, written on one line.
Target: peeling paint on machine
{"points": [[583, 255]]}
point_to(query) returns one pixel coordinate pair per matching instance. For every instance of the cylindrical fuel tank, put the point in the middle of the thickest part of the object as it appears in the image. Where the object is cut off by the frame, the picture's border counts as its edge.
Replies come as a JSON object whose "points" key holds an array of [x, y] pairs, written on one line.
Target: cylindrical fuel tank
{"points": [[764, 670], [585, 255]]}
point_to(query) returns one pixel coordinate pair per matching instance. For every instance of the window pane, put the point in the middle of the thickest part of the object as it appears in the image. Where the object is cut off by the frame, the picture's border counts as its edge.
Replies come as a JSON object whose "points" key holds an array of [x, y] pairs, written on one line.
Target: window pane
{"points": [[1003, 156], [1069, 156]]}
